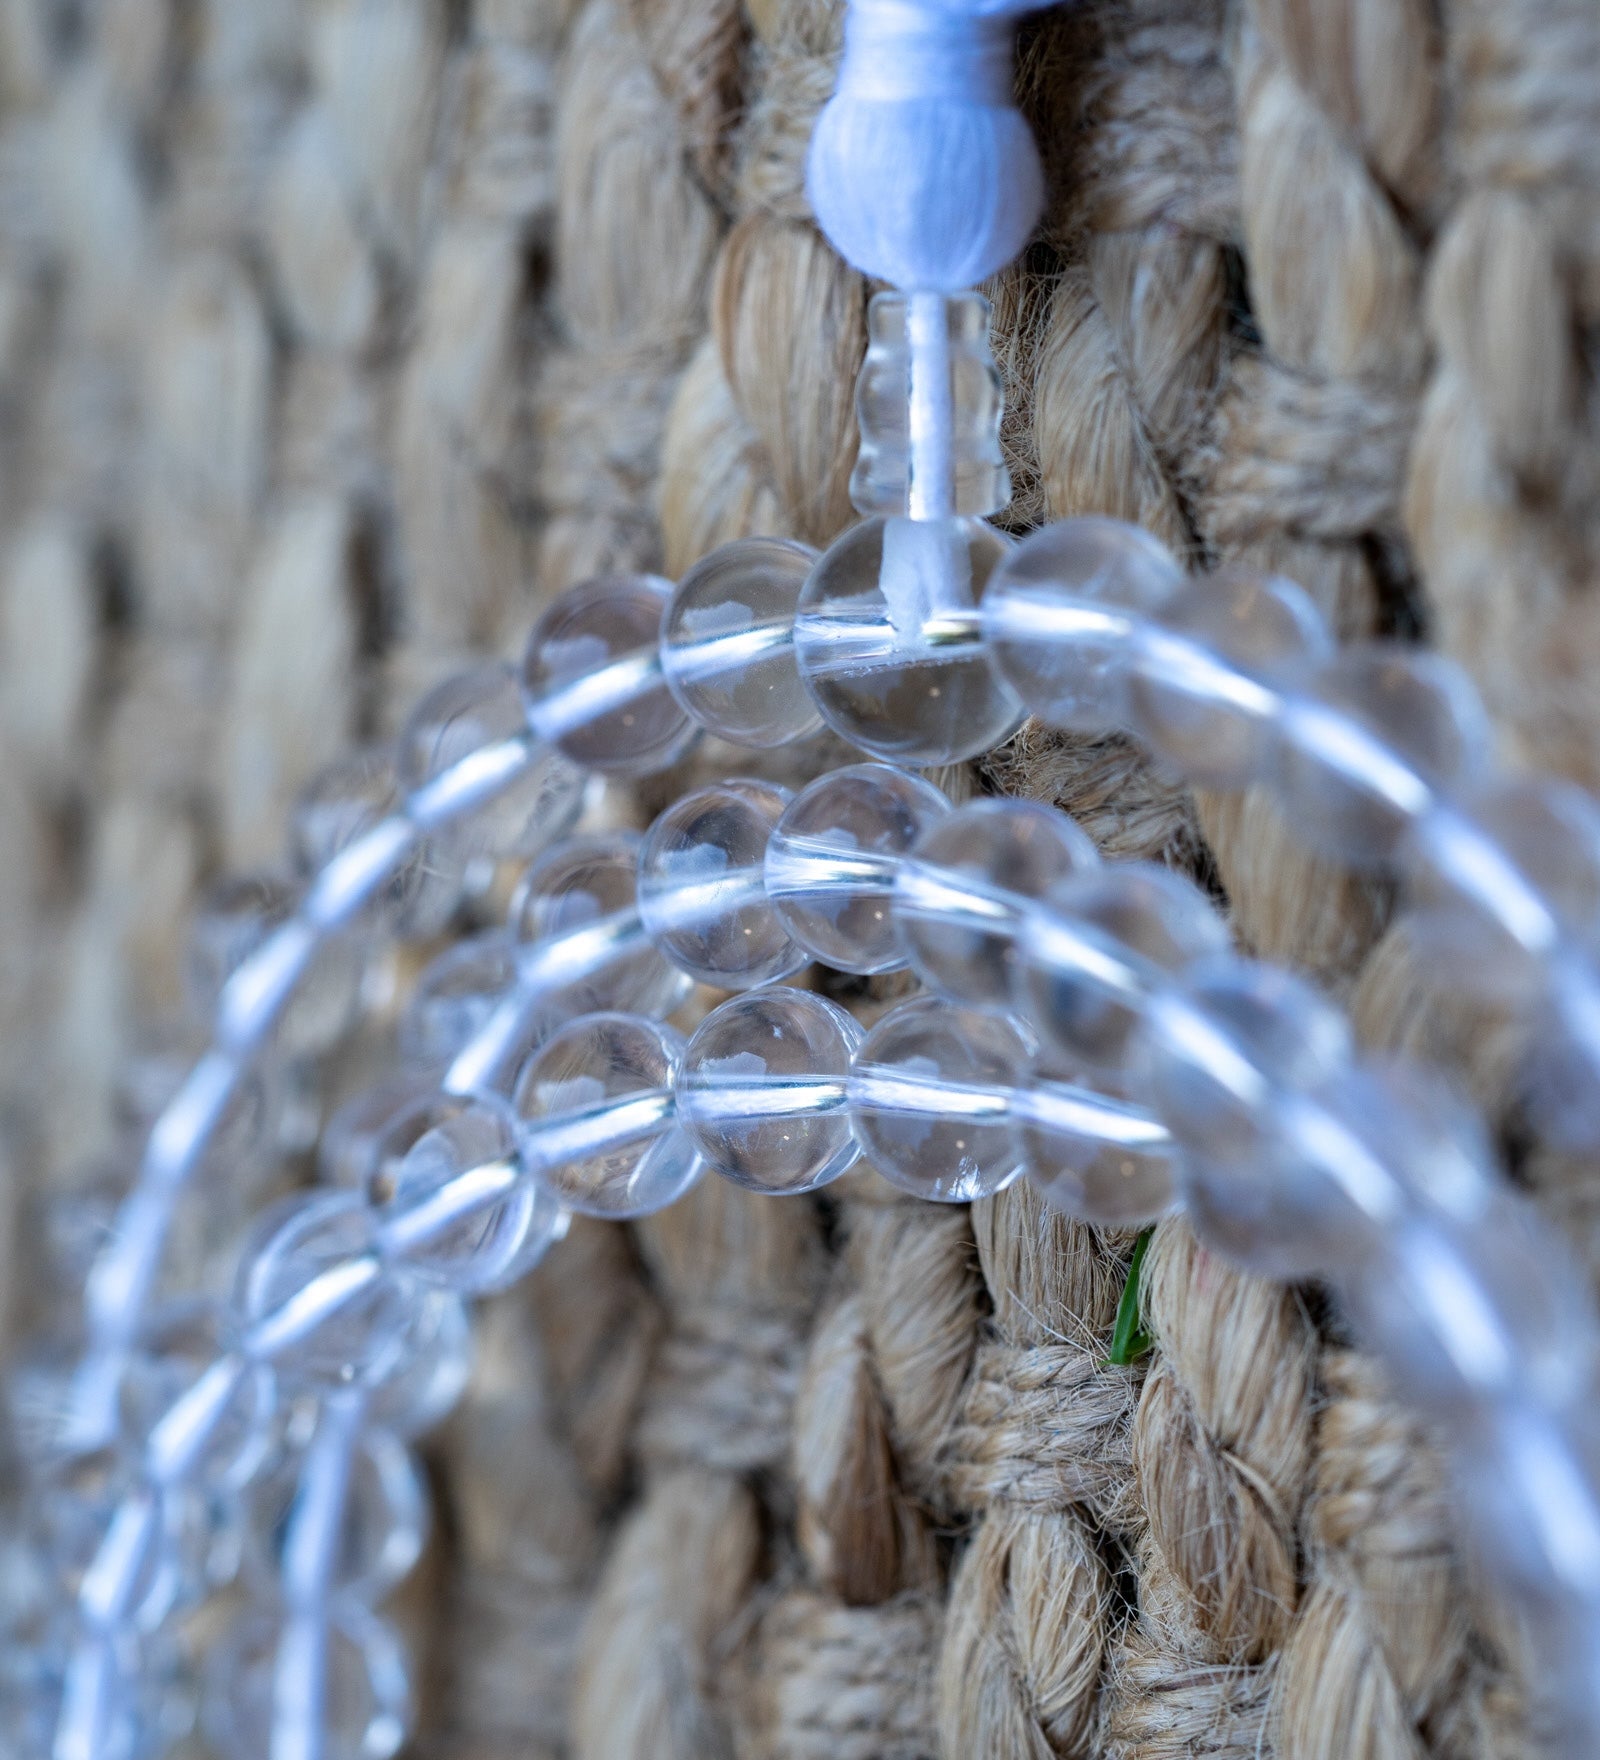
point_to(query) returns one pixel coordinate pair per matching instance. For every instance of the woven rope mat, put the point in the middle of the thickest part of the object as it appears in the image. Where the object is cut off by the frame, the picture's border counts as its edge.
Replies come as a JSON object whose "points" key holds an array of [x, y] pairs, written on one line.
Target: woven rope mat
{"points": [[335, 335]]}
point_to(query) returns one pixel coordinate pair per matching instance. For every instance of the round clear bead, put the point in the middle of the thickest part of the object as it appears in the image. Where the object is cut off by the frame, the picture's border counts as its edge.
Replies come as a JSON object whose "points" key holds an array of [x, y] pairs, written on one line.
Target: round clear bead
{"points": [[1561, 1062], [958, 897], [887, 643], [1065, 615], [1498, 878], [235, 920], [453, 1202], [930, 1097], [1471, 1314], [1091, 955], [761, 1092], [355, 1333], [1201, 690], [597, 1103], [1089, 1151], [581, 886], [366, 1687], [178, 1345], [701, 890], [593, 681], [424, 1389], [455, 997], [381, 1533], [347, 1151], [727, 642], [349, 798], [1362, 757], [832, 859], [465, 715]]}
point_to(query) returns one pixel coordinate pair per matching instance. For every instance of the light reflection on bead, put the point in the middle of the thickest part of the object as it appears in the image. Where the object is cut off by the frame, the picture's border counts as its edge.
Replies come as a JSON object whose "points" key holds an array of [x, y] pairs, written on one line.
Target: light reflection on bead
{"points": [[1063, 618], [701, 891], [726, 642], [959, 895], [930, 1097], [887, 642], [592, 678], [762, 1090], [341, 804], [597, 1106], [1090, 956], [832, 858]]}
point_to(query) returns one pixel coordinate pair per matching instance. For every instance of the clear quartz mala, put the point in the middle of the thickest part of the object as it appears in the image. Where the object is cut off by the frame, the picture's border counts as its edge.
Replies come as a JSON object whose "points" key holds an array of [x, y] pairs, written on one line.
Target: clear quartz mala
{"points": [[1083, 1025]]}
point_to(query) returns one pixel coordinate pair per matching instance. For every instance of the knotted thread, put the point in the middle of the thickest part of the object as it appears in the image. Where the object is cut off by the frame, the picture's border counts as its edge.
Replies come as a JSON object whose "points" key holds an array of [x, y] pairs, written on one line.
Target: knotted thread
{"points": [[922, 172]]}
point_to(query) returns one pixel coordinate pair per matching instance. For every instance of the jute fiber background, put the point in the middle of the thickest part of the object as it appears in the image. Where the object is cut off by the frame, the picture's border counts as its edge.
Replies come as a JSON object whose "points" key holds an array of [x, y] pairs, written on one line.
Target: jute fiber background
{"points": [[337, 335]]}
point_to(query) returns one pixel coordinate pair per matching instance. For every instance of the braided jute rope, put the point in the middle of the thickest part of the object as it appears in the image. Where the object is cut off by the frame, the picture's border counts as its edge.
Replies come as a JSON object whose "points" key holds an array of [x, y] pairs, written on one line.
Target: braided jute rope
{"points": [[337, 337]]}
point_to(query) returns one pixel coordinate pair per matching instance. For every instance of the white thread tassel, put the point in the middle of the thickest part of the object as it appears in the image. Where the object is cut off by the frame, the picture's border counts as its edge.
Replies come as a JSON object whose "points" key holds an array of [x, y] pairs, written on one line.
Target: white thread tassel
{"points": [[922, 171]]}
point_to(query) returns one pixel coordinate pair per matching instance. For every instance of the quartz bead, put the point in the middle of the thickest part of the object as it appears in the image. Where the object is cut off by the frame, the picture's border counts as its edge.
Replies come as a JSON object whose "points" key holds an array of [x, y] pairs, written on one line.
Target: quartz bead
{"points": [[886, 639], [1201, 690], [424, 1389], [589, 885], [340, 805], [470, 713], [1561, 1075], [598, 1110], [1091, 1153], [761, 1092], [701, 891], [349, 1143], [1362, 757], [1090, 956], [930, 1097], [727, 644], [832, 859], [180, 1348], [593, 682], [313, 1297], [1065, 616], [235, 919], [455, 997], [453, 1202], [970, 404], [366, 1686], [1497, 878], [959, 895], [1471, 1312], [381, 1532]]}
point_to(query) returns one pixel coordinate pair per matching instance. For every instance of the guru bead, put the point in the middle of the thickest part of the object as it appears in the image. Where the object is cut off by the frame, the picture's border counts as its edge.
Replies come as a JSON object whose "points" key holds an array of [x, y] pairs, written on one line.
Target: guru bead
{"points": [[726, 643], [762, 1090], [930, 1100], [597, 1109], [886, 639], [832, 859], [701, 892]]}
